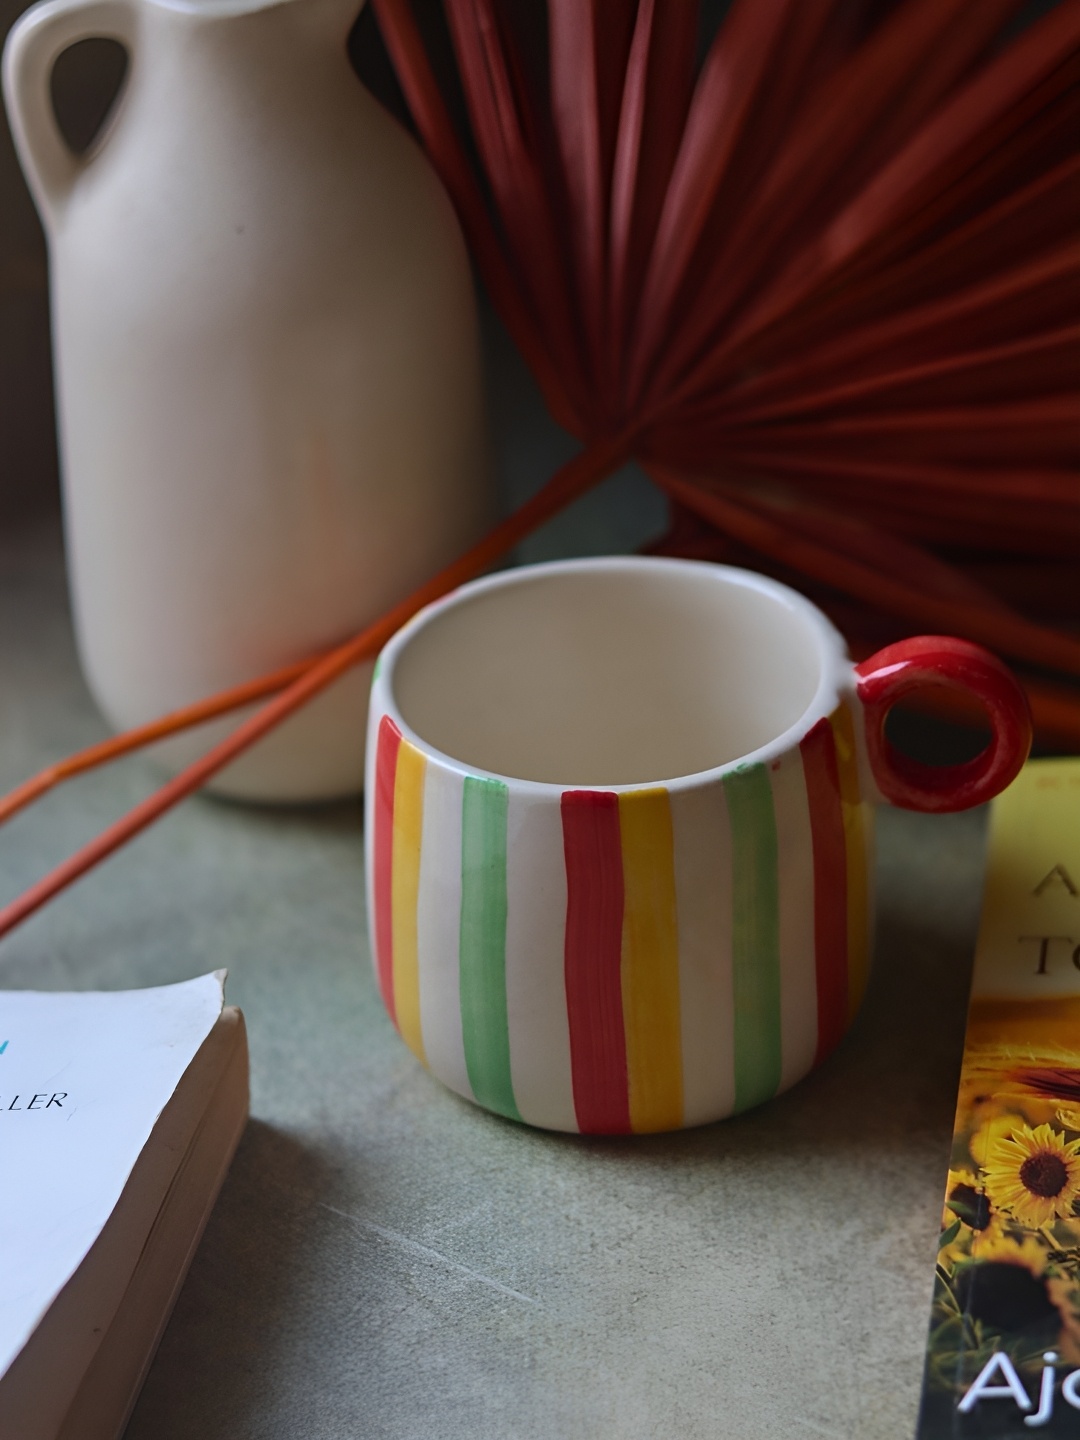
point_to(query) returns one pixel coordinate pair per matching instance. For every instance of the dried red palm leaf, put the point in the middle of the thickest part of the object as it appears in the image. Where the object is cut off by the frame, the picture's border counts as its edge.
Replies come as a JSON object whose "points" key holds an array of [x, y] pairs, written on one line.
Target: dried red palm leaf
{"points": [[834, 144], [825, 291], [656, 96], [1052, 706], [852, 559], [987, 137], [906, 142]]}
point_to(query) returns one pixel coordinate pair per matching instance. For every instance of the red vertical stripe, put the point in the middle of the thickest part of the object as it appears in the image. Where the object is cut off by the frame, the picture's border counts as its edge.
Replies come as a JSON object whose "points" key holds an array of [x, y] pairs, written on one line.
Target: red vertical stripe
{"points": [[594, 922], [386, 758], [830, 885]]}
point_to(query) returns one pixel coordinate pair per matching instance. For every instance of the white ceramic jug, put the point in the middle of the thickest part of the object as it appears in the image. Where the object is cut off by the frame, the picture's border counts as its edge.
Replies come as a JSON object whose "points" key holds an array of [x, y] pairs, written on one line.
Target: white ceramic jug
{"points": [[267, 363]]}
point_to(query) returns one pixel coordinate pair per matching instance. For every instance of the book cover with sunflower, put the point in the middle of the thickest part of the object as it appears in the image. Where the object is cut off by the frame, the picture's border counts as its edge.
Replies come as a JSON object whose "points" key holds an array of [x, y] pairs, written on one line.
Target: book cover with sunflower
{"points": [[1003, 1356]]}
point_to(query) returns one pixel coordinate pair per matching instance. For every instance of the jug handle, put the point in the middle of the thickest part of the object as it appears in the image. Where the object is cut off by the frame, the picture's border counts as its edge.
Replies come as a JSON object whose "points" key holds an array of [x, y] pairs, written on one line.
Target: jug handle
{"points": [[33, 45]]}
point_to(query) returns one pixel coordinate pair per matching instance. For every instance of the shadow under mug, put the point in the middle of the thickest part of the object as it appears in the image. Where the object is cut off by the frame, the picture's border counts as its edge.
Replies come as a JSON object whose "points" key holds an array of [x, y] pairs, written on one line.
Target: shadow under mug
{"points": [[619, 827]]}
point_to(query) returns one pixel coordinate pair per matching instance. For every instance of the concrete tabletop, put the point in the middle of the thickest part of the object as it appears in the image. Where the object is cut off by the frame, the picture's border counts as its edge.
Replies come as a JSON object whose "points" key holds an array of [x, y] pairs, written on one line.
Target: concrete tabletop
{"points": [[386, 1260]]}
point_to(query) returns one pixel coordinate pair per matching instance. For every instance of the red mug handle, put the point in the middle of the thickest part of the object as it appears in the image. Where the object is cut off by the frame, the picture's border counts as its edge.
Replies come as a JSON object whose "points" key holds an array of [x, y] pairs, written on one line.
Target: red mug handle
{"points": [[941, 660]]}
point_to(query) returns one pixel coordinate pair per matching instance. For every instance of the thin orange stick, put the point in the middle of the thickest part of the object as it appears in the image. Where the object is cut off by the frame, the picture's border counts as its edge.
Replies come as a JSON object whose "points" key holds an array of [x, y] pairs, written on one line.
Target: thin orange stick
{"points": [[585, 469], [221, 703]]}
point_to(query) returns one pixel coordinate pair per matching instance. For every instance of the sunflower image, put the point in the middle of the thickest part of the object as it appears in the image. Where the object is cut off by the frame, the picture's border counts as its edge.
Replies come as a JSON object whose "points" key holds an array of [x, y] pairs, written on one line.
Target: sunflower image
{"points": [[1033, 1174], [965, 1200], [968, 1221], [1069, 1118], [1007, 1290], [995, 1124]]}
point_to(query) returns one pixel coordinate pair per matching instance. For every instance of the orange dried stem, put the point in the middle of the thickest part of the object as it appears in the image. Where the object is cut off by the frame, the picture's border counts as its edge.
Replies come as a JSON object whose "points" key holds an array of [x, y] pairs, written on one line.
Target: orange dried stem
{"points": [[583, 471], [222, 703]]}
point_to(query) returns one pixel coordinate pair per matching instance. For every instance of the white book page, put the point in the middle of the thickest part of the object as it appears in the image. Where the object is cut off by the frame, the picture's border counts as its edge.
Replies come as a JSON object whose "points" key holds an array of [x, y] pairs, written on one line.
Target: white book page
{"points": [[83, 1079]]}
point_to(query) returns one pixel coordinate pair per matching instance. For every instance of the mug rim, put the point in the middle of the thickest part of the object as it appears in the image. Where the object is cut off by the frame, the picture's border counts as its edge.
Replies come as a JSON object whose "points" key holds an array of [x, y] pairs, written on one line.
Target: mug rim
{"points": [[834, 665]]}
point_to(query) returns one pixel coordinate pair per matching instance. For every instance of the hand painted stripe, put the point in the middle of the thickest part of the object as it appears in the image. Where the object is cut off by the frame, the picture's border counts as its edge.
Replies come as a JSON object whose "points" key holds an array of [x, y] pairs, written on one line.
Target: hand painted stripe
{"points": [[798, 978], [593, 960], [650, 961], [386, 758], [484, 1024], [404, 889], [858, 906], [703, 889], [535, 964], [755, 935], [818, 750], [438, 927]]}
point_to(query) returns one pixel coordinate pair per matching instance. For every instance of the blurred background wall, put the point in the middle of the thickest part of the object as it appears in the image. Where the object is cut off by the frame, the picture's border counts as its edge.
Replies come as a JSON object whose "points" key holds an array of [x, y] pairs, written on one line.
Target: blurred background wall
{"points": [[28, 474]]}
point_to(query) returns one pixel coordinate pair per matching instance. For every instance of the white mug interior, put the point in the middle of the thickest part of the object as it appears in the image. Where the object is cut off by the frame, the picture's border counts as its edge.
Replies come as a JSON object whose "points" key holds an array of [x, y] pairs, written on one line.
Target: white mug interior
{"points": [[609, 672]]}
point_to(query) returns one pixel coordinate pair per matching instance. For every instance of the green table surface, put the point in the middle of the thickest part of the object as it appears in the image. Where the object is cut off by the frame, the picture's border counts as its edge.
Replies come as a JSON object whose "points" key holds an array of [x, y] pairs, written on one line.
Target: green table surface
{"points": [[386, 1260]]}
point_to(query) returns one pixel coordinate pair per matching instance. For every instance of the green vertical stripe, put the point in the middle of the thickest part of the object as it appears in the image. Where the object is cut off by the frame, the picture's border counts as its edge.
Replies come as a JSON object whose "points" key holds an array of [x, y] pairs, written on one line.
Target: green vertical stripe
{"points": [[484, 1024], [755, 935]]}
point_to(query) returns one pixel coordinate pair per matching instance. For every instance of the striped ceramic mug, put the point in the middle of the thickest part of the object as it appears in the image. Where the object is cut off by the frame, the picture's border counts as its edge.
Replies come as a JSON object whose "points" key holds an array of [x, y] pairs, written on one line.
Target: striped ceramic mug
{"points": [[619, 821]]}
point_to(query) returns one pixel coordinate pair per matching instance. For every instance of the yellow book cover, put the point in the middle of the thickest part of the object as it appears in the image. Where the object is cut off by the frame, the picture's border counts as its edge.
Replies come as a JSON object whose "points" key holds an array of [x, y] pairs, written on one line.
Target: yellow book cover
{"points": [[1003, 1356]]}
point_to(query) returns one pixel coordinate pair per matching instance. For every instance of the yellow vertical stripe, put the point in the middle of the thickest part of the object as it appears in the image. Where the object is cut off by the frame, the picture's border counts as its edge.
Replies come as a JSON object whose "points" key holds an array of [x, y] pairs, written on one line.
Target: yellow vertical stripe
{"points": [[858, 881], [650, 961], [404, 892]]}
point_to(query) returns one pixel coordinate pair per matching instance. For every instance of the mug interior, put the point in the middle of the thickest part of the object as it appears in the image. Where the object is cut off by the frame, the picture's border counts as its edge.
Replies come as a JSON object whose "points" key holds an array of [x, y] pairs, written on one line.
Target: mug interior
{"points": [[609, 675]]}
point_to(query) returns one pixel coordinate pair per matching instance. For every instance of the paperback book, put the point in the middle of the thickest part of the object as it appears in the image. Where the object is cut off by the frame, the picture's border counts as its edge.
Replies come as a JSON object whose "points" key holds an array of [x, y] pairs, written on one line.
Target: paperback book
{"points": [[119, 1114], [1003, 1356]]}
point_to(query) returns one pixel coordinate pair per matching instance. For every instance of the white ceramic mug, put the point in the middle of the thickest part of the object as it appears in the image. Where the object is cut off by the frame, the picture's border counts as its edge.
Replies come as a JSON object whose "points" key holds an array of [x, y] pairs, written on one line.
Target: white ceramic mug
{"points": [[619, 819]]}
